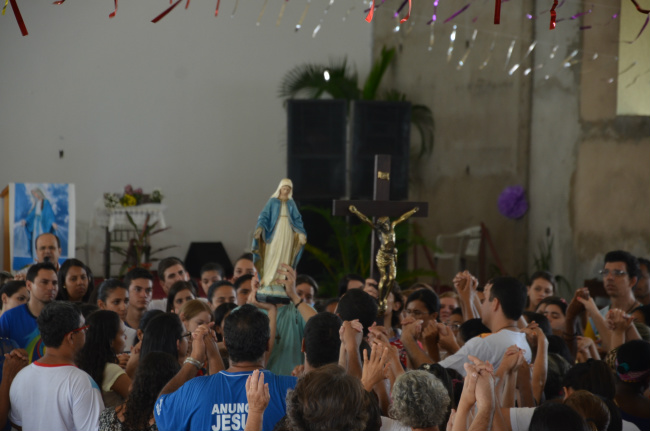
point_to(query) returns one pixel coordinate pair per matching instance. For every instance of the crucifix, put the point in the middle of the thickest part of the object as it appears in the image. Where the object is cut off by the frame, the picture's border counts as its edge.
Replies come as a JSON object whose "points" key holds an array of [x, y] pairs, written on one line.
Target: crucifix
{"points": [[383, 250]]}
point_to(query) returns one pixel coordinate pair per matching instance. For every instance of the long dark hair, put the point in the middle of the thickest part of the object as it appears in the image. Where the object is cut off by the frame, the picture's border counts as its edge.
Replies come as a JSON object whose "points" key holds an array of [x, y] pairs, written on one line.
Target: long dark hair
{"points": [[153, 373], [173, 291], [97, 351], [63, 273], [161, 335]]}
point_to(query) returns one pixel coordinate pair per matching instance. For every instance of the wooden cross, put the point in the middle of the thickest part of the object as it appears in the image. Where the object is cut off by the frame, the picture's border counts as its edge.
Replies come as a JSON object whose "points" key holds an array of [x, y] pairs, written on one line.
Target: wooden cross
{"points": [[380, 206]]}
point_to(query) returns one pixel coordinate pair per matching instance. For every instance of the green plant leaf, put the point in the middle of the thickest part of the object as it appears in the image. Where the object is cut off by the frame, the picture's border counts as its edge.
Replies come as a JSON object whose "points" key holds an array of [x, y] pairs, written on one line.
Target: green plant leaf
{"points": [[309, 80], [130, 219], [377, 74]]}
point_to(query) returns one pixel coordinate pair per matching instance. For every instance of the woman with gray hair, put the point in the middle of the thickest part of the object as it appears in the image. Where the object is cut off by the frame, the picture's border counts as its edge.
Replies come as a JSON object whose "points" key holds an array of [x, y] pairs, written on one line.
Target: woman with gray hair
{"points": [[420, 401]]}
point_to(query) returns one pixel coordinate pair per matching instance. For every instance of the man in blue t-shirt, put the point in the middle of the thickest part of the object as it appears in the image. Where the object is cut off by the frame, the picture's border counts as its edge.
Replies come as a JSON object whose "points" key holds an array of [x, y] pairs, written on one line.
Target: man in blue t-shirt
{"points": [[218, 402], [19, 323]]}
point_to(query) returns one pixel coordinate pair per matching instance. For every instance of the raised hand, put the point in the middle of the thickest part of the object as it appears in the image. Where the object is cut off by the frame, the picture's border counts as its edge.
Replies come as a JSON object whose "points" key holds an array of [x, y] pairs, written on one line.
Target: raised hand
{"points": [[618, 320], [288, 280], [411, 329], [576, 306], [430, 332], [375, 367], [257, 392], [447, 339], [511, 361]]}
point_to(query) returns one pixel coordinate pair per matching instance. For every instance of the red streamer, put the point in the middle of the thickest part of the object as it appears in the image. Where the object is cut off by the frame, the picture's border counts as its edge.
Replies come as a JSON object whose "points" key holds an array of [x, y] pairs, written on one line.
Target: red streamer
{"points": [[497, 11], [112, 15], [19, 17], [216, 11], [408, 15], [162, 15], [371, 12], [554, 15], [58, 2]]}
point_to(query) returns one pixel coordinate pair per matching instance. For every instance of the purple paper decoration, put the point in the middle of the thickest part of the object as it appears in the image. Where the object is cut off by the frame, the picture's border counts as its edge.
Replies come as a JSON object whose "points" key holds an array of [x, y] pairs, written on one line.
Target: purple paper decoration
{"points": [[512, 202]]}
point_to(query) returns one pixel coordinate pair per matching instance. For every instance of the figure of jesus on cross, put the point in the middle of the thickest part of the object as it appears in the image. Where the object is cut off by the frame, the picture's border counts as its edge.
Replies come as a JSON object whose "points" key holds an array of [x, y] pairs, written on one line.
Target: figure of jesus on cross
{"points": [[387, 255], [384, 253]]}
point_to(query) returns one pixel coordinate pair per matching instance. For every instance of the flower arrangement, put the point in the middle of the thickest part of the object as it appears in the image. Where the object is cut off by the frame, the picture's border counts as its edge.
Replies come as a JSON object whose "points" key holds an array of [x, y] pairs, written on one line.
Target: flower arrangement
{"points": [[131, 197]]}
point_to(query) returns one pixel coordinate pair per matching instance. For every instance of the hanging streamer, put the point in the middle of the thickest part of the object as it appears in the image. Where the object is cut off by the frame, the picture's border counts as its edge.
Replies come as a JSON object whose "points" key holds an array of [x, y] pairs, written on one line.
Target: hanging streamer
{"points": [[529, 16], [434, 17], [232, 15], [553, 15], [259, 18], [432, 38], [320, 23], [216, 10], [284, 6], [5, 7], [645, 24], [645, 11], [112, 14], [166, 11], [169, 9], [462, 61], [302, 17], [487, 59], [497, 11], [452, 38], [509, 55], [514, 68], [19, 18], [408, 14], [567, 61], [458, 12], [372, 12]]}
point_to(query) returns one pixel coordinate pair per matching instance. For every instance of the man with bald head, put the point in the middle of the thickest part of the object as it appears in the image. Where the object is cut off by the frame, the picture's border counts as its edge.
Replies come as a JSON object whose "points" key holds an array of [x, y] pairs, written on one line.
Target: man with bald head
{"points": [[48, 249]]}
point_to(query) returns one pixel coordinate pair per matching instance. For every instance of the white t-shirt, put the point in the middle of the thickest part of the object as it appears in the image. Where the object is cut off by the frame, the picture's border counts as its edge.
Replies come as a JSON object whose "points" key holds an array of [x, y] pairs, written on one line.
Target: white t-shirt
{"points": [[629, 426], [55, 397], [158, 304], [520, 418], [130, 338], [388, 424], [490, 348]]}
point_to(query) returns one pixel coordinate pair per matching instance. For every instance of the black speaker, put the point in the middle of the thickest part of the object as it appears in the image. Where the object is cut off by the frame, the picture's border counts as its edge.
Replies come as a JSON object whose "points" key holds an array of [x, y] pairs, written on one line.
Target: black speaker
{"points": [[380, 128], [201, 253], [316, 147]]}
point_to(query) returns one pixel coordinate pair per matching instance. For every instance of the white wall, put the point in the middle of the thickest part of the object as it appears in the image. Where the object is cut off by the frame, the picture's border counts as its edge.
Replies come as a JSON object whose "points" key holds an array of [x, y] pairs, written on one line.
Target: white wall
{"points": [[188, 104]]}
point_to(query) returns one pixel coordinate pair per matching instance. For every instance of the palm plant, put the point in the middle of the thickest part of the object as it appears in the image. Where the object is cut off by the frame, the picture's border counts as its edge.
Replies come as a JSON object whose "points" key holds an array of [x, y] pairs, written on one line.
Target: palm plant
{"points": [[340, 81]]}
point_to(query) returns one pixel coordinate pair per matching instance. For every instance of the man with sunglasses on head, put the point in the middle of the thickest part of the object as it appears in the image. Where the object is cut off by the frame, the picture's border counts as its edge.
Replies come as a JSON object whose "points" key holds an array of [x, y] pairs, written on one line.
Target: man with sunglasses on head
{"points": [[52, 393]]}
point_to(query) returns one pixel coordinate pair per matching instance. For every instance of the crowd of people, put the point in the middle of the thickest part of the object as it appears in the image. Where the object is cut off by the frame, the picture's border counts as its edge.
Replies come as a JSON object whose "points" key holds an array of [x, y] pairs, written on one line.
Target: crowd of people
{"points": [[494, 354]]}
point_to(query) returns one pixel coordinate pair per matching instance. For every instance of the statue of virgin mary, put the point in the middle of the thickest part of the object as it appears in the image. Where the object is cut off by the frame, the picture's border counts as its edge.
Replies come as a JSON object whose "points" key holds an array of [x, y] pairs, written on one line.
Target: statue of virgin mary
{"points": [[279, 238]]}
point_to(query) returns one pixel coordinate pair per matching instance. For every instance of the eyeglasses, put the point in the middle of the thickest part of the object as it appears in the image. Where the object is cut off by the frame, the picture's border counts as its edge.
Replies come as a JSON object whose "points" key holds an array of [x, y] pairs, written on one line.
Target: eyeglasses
{"points": [[83, 329], [615, 272], [415, 313], [453, 326], [187, 335]]}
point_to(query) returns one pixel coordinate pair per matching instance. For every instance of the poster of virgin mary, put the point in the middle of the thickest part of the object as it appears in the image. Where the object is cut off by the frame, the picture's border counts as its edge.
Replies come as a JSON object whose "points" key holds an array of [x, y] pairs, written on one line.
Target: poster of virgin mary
{"points": [[38, 208]]}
